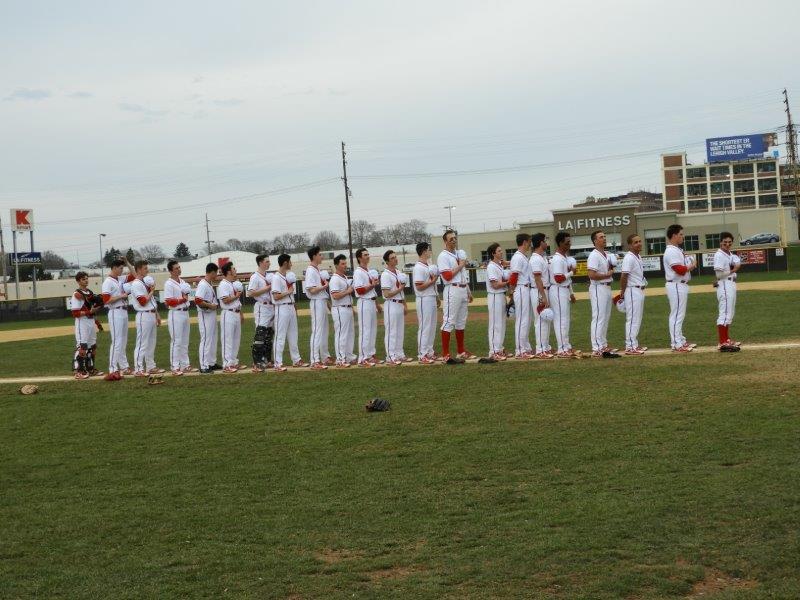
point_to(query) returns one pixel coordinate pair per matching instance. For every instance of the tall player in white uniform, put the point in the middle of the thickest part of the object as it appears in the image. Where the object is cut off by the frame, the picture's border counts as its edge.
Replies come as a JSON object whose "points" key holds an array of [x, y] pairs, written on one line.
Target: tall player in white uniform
{"points": [[341, 291], [115, 299], [176, 297], [317, 293], [283, 283], [496, 289], [147, 319], [520, 284], [393, 285], [452, 265], [83, 308], [726, 268], [540, 296], [364, 284], [205, 298], [424, 276], [561, 295], [260, 289], [601, 275], [632, 284], [230, 326], [678, 272]]}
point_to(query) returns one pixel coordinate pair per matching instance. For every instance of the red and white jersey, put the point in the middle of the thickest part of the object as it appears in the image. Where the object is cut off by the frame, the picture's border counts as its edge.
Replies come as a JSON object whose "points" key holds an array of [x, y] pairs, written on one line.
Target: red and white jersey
{"points": [[724, 262], [522, 267], [175, 295], [422, 273], [139, 291], [78, 303], [540, 266], [674, 256], [633, 266], [313, 278], [559, 266], [494, 274], [259, 282], [599, 262], [391, 280], [281, 285], [448, 261], [205, 291], [113, 287], [224, 290], [361, 279], [340, 284]]}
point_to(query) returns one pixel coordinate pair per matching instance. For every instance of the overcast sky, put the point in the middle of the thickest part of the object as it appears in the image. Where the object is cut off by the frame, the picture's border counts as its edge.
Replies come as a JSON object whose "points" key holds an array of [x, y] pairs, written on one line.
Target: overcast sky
{"points": [[174, 109]]}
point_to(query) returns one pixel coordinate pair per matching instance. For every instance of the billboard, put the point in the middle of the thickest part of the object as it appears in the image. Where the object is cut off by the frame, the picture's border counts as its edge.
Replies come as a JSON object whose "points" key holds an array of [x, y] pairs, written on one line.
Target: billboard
{"points": [[739, 147], [24, 258], [21, 219]]}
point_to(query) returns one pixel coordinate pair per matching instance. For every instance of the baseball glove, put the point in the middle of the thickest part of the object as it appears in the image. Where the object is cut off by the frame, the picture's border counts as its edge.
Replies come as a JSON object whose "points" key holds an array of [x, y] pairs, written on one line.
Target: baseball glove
{"points": [[729, 348], [378, 405], [155, 379], [27, 390], [487, 360]]}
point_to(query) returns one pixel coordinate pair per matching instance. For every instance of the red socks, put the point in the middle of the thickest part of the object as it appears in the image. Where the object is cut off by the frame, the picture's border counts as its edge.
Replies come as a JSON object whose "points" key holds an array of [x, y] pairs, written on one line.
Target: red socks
{"points": [[445, 343], [722, 332], [460, 340]]}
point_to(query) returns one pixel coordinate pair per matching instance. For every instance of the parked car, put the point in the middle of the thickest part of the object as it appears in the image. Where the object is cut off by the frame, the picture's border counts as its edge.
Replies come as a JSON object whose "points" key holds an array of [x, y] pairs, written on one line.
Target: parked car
{"points": [[761, 238]]}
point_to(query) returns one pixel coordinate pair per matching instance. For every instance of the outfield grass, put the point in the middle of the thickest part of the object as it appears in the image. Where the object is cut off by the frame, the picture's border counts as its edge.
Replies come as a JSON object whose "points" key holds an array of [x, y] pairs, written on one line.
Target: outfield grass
{"points": [[577, 479]]}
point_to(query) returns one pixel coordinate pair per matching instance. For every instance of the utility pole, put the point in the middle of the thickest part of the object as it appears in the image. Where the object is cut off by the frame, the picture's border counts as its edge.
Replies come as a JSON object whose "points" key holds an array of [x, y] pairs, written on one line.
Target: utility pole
{"points": [[347, 204], [208, 237], [791, 157], [450, 209], [3, 254]]}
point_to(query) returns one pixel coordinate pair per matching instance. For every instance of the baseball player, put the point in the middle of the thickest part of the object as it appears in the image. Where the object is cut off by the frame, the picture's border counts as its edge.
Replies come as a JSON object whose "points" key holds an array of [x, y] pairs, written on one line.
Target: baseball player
{"points": [[230, 327], [84, 308], [452, 265], [678, 272], [726, 268], [176, 297], [539, 295], [520, 284], [365, 283], [496, 289], [601, 274], [285, 313], [115, 298], [147, 319], [260, 289], [632, 284], [424, 276], [205, 298], [316, 288], [393, 285], [341, 291], [561, 295]]}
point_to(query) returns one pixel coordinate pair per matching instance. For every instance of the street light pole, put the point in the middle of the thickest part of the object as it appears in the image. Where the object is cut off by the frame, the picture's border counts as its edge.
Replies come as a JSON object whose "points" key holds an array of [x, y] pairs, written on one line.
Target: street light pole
{"points": [[450, 209], [102, 264]]}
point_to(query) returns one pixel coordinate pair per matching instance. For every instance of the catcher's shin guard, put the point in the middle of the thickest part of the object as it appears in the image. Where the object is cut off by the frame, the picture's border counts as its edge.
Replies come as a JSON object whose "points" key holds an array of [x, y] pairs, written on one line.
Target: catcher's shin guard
{"points": [[90, 356], [260, 346], [268, 342], [79, 359]]}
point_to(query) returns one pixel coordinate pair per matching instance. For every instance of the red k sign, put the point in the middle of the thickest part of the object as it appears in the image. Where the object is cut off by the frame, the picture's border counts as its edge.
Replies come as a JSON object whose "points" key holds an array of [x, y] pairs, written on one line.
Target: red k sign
{"points": [[21, 219]]}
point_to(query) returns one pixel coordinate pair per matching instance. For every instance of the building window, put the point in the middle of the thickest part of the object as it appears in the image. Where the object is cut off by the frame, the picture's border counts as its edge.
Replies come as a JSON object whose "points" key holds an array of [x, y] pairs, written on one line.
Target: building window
{"points": [[765, 167], [712, 241], [745, 186], [745, 202], [768, 201], [698, 206], [696, 189], [510, 253], [484, 256], [656, 245], [721, 204], [696, 173], [721, 187], [719, 171], [691, 242], [743, 169], [767, 185]]}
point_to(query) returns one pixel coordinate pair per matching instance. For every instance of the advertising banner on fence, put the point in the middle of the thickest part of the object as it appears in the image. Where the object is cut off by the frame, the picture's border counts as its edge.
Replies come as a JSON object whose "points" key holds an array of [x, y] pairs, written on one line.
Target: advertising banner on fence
{"points": [[739, 147], [651, 263], [749, 257]]}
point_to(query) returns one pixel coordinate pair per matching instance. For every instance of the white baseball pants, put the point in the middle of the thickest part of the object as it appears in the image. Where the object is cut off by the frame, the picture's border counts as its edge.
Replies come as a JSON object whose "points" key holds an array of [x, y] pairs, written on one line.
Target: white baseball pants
{"points": [[426, 325], [118, 327], [394, 328], [600, 297], [496, 303], [230, 331], [343, 333], [522, 319], [207, 323], [634, 311], [367, 328], [264, 314], [144, 353], [178, 325], [286, 330], [541, 328], [559, 302], [455, 303], [319, 330], [678, 295], [726, 298], [85, 331]]}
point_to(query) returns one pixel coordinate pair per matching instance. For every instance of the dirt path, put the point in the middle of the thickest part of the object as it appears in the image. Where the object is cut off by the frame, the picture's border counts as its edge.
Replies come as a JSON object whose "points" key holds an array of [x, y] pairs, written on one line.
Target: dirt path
{"points": [[787, 345], [37, 333]]}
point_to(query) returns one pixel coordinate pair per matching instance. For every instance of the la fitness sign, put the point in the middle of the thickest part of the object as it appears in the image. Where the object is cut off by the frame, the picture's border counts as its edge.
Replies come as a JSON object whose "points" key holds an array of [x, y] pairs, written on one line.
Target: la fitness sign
{"points": [[594, 223]]}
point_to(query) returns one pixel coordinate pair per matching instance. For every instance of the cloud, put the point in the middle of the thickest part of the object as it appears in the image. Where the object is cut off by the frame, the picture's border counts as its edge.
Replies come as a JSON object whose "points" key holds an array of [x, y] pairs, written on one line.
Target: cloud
{"points": [[337, 92], [198, 79], [81, 95], [27, 94], [229, 102], [138, 108]]}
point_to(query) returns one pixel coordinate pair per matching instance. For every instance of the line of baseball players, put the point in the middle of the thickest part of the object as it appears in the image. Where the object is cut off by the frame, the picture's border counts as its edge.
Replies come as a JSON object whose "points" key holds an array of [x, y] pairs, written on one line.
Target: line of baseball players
{"points": [[541, 292]]}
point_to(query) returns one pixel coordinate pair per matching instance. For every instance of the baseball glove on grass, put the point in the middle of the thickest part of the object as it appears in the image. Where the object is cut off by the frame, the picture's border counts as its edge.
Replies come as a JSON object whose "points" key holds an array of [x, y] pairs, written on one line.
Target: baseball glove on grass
{"points": [[27, 390], [378, 405]]}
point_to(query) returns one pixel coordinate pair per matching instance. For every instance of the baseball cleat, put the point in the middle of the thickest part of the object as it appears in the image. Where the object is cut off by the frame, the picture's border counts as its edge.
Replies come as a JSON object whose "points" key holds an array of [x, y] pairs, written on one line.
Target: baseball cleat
{"points": [[156, 371], [543, 356], [81, 375], [565, 354], [731, 342], [329, 362], [318, 367], [692, 346], [140, 374], [127, 371], [299, 364], [207, 371], [189, 370], [683, 349], [343, 365], [216, 367], [426, 361], [257, 369], [230, 370], [466, 355], [633, 352], [240, 367], [597, 354], [365, 364], [176, 372], [642, 348], [95, 373], [280, 369]]}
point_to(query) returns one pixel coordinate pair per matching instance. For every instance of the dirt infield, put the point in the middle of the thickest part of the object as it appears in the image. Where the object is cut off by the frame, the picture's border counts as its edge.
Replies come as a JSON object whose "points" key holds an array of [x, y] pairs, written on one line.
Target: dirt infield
{"points": [[37, 333]]}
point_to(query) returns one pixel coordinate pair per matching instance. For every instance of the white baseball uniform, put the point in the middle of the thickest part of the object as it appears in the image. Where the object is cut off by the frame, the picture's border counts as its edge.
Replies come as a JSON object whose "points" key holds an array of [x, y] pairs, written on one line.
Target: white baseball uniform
{"points": [[496, 303], [230, 326], [393, 318], [426, 308], [522, 303], [342, 314], [285, 320], [117, 323], [318, 306], [176, 296], [540, 266], [726, 285], [560, 292], [456, 296], [263, 309], [677, 292], [85, 332], [207, 323], [146, 321], [600, 297], [634, 298], [367, 313]]}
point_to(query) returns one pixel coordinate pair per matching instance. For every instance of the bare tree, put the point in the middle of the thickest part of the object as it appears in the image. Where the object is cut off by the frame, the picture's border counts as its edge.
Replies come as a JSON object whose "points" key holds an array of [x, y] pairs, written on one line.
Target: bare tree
{"points": [[257, 246], [290, 242], [234, 244], [52, 261], [328, 240], [364, 233], [152, 252]]}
